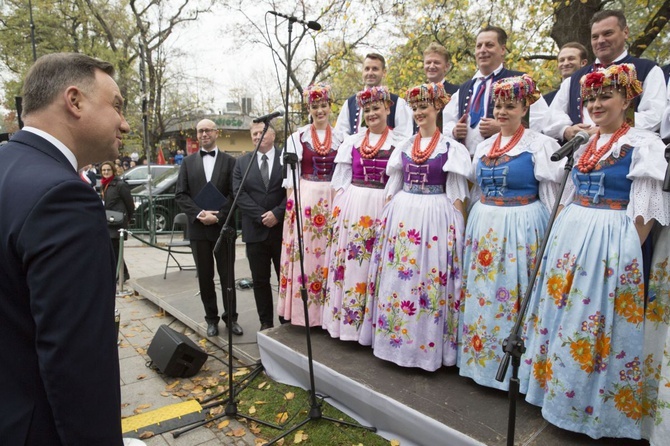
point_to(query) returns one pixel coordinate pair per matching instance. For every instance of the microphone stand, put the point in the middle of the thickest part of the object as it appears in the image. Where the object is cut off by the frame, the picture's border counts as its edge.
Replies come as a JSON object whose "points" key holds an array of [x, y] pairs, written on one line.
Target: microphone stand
{"points": [[514, 345], [227, 236], [315, 412], [291, 159]]}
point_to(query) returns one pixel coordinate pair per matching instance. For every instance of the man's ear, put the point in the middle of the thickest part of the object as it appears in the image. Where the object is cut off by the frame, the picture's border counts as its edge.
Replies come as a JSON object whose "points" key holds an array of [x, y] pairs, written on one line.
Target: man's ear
{"points": [[73, 100]]}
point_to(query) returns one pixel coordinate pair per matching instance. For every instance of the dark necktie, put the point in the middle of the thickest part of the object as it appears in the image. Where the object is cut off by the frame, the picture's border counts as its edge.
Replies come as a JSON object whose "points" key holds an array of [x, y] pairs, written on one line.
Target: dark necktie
{"points": [[265, 170], [477, 105], [205, 153]]}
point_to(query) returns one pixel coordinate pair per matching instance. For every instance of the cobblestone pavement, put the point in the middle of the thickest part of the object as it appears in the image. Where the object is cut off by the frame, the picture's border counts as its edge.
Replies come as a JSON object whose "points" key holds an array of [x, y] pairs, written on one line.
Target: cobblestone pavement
{"points": [[142, 388]]}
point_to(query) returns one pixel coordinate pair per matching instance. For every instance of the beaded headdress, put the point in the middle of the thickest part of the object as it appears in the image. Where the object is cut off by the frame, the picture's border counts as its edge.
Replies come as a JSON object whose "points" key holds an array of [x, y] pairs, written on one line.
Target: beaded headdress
{"points": [[516, 89], [373, 94], [430, 92], [316, 93], [621, 77]]}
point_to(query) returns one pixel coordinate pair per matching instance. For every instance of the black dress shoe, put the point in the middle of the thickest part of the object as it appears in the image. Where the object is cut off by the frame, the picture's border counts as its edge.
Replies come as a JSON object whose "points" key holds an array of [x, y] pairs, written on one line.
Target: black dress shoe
{"points": [[212, 329], [266, 326], [236, 329]]}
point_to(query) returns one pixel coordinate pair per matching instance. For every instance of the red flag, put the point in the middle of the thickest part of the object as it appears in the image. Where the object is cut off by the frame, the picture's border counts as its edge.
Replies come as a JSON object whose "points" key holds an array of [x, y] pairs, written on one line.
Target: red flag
{"points": [[160, 158]]}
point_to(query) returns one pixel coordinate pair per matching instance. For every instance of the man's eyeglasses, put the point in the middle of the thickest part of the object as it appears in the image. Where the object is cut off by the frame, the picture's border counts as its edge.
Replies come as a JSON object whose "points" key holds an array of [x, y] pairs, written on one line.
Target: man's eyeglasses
{"points": [[201, 131]]}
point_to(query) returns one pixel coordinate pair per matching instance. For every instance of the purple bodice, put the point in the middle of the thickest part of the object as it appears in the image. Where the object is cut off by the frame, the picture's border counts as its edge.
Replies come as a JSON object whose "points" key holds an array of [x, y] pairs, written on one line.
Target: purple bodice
{"points": [[315, 167], [426, 178], [370, 172]]}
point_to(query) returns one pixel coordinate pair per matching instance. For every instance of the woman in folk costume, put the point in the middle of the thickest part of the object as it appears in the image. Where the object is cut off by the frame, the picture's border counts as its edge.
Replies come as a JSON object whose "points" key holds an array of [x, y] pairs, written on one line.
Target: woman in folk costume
{"points": [[412, 310], [316, 147], [359, 179], [516, 186], [585, 331], [656, 424]]}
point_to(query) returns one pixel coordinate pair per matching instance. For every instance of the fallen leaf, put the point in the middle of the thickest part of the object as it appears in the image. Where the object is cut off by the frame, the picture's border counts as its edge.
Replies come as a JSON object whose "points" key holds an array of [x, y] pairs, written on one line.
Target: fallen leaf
{"points": [[299, 437], [282, 417], [146, 434], [289, 396], [165, 393], [223, 424], [260, 402], [252, 410], [218, 410], [173, 385], [144, 406], [263, 384], [139, 377], [239, 432], [260, 442], [395, 442], [255, 429]]}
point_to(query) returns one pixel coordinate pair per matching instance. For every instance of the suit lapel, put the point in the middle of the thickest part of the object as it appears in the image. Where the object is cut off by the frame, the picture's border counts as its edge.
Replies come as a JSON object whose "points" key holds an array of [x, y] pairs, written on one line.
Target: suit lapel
{"points": [[217, 168]]}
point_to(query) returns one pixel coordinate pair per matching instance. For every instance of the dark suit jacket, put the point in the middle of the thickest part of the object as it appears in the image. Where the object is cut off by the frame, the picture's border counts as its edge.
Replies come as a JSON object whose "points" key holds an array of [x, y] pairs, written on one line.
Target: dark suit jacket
{"points": [[255, 200], [118, 198], [191, 181], [58, 353]]}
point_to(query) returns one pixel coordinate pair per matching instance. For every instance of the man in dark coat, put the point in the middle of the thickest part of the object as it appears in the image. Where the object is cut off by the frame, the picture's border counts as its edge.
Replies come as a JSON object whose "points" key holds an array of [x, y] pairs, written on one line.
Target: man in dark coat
{"points": [[208, 165], [263, 206], [60, 363]]}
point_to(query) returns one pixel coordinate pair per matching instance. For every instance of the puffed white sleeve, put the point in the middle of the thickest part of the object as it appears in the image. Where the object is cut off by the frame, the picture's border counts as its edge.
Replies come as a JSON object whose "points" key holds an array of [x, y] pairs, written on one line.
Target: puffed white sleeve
{"points": [[546, 171], [394, 170], [343, 170], [647, 172], [342, 124], [557, 118], [404, 119], [538, 114], [450, 115], [459, 168], [293, 145]]}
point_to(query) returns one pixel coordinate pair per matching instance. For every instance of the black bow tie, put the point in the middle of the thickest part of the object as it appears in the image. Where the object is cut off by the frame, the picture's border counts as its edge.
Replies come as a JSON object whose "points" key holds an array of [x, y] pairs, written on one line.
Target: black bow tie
{"points": [[205, 153]]}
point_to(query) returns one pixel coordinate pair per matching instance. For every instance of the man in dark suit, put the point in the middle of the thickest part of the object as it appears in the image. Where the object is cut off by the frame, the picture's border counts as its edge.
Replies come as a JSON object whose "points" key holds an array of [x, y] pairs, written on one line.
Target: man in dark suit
{"points": [[262, 201], [209, 164], [60, 364]]}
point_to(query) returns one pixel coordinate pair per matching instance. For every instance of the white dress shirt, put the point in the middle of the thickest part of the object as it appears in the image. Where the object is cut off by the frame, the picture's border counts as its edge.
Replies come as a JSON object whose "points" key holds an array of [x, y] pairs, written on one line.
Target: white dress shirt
{"points": [[59, 145], [208, 163]]}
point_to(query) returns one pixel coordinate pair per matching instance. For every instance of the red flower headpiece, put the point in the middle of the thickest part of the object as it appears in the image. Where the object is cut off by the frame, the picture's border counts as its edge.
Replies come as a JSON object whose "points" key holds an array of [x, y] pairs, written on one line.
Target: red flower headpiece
{"points": [[373, 94], [430, 92], [317, 93], [621, 77]]}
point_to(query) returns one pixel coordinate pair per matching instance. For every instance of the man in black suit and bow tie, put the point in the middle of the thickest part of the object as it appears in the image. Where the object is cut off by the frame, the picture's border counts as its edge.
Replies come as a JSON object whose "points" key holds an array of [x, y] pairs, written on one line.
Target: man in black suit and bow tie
{"points": [[262, 201], [58, 353], [208, 165]]}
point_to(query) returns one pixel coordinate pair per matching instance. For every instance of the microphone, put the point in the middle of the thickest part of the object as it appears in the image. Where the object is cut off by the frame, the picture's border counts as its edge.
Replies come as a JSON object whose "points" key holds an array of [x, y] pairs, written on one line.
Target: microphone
{"points": [[269, 117], [569, 147], [666, 182], [311, 25]]}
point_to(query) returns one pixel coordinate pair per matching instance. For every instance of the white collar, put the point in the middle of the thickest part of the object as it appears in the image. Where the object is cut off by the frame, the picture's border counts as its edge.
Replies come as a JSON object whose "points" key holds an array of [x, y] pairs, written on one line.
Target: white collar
{"points": [[621, 56], [59, 145], [479, 74]]}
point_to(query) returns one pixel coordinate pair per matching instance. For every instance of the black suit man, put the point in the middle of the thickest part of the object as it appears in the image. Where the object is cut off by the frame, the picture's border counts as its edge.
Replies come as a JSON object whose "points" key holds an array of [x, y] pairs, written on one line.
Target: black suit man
{"points": [[60, 364], [204, 225], [262, 201]]}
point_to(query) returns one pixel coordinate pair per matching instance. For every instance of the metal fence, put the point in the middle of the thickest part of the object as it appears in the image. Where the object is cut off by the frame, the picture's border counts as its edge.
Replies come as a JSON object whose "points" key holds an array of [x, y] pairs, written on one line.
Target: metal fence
{"points": [[164, 210]]}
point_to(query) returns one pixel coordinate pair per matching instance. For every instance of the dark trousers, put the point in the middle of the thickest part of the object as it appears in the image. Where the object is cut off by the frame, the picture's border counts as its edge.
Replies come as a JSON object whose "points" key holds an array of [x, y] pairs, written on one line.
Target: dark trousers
{"points": [[203, 254], [260, 255], [115, 245]]}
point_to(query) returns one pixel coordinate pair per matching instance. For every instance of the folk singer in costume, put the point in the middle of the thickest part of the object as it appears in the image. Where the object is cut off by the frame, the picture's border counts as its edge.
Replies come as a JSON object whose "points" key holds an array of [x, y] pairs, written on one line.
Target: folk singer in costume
{"points": [[413, 307], [516, 187], [585, 334], [316, 146], [359, 179]]}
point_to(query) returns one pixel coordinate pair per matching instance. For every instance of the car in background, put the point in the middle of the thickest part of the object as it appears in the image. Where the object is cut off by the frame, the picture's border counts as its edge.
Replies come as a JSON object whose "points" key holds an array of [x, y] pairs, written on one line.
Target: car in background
{"points": [[139, 174], [163, 189]]}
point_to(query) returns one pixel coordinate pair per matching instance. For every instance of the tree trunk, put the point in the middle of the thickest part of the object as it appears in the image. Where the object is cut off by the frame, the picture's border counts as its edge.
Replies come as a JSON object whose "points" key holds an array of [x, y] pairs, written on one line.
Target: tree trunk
{"points": [[652, 30], [571, 22]]}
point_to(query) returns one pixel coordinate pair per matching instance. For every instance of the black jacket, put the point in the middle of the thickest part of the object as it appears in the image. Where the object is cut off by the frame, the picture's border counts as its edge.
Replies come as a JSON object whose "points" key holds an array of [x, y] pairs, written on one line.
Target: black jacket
{"points": [[116, 197]]}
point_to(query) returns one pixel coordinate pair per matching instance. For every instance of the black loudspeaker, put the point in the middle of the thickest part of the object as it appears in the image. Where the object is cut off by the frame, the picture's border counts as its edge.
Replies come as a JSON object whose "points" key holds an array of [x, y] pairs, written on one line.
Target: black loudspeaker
{"points": [[175, 354]]}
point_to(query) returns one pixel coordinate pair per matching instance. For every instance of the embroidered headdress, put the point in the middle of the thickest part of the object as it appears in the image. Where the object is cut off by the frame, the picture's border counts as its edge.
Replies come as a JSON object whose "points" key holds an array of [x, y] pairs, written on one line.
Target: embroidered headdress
{"points": [[373, 94], [516, 89], [430, 92], [622, 77], [317, 92]]}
